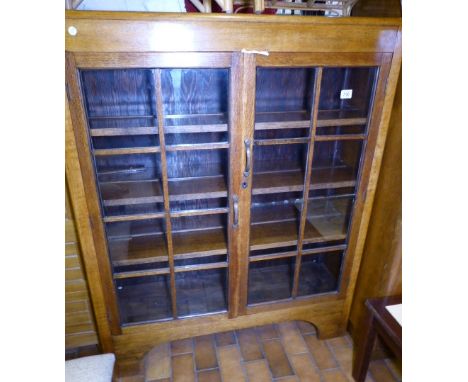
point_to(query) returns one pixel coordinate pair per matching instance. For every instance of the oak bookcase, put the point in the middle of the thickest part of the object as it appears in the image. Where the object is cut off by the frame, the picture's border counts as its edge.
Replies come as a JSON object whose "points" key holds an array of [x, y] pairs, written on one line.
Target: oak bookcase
{"points": [[222, 168]]}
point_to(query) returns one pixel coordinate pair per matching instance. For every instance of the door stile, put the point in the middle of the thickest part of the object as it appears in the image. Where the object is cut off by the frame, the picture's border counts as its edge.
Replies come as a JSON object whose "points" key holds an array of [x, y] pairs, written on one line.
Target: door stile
{"points": [[165, 185], [98, 261], [307, 178], [242, 116]]}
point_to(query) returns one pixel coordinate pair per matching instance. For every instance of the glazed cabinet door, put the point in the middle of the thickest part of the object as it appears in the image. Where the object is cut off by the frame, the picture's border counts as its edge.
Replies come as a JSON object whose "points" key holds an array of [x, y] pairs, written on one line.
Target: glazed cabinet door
{"points": [[309, 138], [159, 142]]}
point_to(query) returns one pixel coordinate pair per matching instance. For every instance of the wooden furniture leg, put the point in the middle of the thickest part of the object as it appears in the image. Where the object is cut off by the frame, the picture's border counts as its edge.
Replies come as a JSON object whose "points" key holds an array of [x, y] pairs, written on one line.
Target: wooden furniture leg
{"points": [[363, 348]]}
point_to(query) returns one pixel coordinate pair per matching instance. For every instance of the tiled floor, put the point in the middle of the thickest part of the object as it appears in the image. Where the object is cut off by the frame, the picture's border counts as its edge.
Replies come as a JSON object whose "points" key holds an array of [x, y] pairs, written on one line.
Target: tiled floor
{"points": [[283, 352]]}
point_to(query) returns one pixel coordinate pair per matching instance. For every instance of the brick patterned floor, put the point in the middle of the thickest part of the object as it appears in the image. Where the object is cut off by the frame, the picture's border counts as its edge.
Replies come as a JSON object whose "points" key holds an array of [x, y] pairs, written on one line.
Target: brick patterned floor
{"points": [[282, 352]]}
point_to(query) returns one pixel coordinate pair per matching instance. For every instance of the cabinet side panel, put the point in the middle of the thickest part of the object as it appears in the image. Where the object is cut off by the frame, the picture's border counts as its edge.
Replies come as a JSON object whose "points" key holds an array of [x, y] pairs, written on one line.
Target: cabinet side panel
{"points": [[371, 168], [380, 272], [83, 173], [83, 226]]}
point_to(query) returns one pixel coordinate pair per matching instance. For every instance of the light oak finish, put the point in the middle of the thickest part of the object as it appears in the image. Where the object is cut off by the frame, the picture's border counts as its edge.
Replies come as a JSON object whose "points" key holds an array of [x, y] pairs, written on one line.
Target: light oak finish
{"points": [[83, 226], [111, 31], [381, 266], [83, 193], [242, 117], [122, 39]]}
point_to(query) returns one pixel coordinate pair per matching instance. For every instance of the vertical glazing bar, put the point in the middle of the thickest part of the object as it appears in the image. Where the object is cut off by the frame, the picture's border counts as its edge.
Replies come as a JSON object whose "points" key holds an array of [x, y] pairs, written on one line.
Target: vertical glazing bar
{"points": [[165, 185], [307, 177]]}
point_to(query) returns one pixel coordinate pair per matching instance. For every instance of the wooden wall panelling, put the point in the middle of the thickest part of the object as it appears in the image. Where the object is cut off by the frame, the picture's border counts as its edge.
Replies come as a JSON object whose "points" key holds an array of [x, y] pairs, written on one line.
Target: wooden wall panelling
{"points": [[380, 272], [80, 327]]}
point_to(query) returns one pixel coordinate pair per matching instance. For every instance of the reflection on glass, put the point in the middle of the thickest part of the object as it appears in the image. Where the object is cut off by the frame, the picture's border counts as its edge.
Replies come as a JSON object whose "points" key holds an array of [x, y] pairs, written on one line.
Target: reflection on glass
{"points": [[195, 103], [200, 292], [143, 299], [270, 280], [137, 242], [334, 103], [320, 273]]}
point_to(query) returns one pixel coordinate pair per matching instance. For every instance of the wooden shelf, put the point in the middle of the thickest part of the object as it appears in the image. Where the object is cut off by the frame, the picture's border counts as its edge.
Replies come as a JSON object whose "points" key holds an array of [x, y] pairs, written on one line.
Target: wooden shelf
{"points": [[127, 151], [138, 250], [267, 121], [132, 217], [274, 214], [284, 234], [198, 146], [128, 193], [165, 271], [273, 226], [182, 189], [277, 181], [197, 188], [152, 248], [153, 130], [112, 117], [291, 181]]}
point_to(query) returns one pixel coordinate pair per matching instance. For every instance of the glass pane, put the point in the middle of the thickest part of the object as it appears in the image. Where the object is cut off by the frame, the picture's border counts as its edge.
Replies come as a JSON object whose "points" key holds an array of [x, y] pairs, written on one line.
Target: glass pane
{"points": [[346, 92], [137, 242], [328, 216], [320, 273], [135, 167], [277, 168], [130, 184], [289, 251], [199, 235], [125, 141], [336, 164], [195, 105], [200, 292], [275, 220], [144, 299], [341, 129], [119, 98], [198, 174], [283, 103], [182, 263], [270, 280]]}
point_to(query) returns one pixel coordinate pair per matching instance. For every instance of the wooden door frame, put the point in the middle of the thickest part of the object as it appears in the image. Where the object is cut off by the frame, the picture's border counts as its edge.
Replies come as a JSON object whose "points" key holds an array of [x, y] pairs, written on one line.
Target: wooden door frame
{"points": [[366, 180], [194, 60]]}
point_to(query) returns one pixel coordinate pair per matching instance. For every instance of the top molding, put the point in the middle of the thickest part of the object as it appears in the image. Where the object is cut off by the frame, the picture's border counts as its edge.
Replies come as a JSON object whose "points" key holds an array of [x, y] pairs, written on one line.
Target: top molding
{"points": [[182, 32]]}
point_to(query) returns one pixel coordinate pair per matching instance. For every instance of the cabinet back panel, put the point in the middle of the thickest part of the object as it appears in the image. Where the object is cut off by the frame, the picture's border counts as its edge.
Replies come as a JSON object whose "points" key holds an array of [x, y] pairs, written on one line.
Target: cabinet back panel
{"points": [[182, 164], [279, 157], [359, 80], [284, 89], [121, 92], [194, 91]]}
